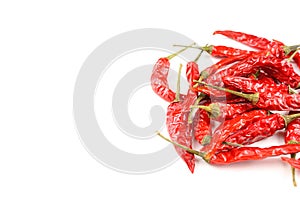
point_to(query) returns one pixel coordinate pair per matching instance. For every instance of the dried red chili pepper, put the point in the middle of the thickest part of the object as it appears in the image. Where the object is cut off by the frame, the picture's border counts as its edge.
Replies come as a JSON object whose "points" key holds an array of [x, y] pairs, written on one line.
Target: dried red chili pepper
{"points": [[292, 161], [178, 126], [244, 153], [267, 101], [222, 63], [247, 39], [252, 153], [229, 127], [264, 127], [159, 77], [249, 85], [192, 71]]}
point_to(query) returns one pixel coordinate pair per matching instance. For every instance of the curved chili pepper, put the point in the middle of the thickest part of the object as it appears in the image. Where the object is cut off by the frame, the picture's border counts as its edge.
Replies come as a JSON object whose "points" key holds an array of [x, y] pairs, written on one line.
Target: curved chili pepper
{"points": [[252, 153], [247, 39], [159, 81], [229, 127]]}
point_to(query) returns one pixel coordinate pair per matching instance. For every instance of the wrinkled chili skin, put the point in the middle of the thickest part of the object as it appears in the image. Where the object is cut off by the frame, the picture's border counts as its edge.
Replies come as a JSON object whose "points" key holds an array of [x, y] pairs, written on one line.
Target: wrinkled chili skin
{"points": [[159, 80], [201, 126], [262, 85], [264, 127], [229, 127], [252, 153], [178, 127], [230, 111], [278, 68], [219, 65], [247, 39], [192, 73], [292, 133], [285, 102]]}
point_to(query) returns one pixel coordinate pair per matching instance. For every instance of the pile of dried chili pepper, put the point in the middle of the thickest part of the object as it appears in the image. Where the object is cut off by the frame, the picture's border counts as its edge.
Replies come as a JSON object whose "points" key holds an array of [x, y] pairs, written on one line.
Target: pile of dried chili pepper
{"points": [[245, 93]]}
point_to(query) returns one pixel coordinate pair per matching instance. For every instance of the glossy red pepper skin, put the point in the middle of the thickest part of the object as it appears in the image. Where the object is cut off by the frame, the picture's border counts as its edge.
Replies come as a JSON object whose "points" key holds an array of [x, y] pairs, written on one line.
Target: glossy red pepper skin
{"points": [[247, 39], [229, 127], [178, 127], [264, 127], [201, 126], [252, 153]]}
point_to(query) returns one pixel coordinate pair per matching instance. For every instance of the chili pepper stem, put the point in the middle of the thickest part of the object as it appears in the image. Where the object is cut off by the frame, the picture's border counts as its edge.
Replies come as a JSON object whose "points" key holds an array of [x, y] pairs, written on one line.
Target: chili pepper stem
{"points": [[289, 118], [293, 155], [233, 144], [177, 98], [200, 97], [213, 109], [180, 51], [250, 97], [192, 151], [292, 56], [288, 49]]}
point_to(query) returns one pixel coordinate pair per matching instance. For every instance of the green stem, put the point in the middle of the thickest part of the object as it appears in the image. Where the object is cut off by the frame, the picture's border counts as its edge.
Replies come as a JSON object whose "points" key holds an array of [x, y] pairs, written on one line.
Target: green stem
{"points": [[177, 98], [288, 49], [180, 51], [233, 144], [207, 48], [250, 97], [289, 118], [292, 56], [293, 155], [200, 97], [213, 109], [192, 151]]}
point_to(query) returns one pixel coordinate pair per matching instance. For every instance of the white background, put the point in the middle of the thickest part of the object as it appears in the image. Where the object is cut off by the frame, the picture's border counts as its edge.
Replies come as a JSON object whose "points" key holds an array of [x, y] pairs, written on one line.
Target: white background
{"points": [[42, 48]]}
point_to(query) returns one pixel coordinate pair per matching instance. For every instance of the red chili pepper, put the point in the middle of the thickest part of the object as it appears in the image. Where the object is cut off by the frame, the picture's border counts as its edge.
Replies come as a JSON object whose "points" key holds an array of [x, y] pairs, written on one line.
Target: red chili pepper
{"points": [[267, 101], [252, 153], [247, 39], [159, 81], [249, 85], [222, 63], [229, 127], [264, 127], [178, 126], [192, 71], [224, 51]]}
